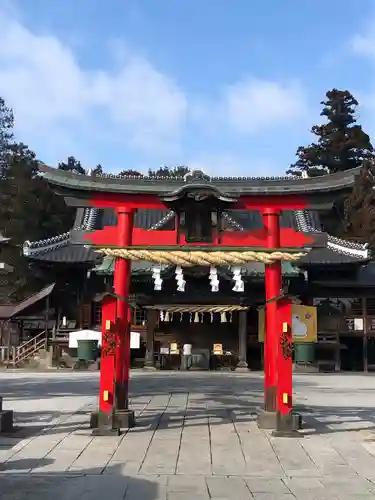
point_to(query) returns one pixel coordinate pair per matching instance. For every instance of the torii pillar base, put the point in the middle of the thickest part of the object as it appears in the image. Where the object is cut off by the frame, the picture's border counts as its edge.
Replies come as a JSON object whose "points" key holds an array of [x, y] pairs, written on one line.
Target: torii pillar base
{"points": [[268, 420], [109, 424], [288, 425]]}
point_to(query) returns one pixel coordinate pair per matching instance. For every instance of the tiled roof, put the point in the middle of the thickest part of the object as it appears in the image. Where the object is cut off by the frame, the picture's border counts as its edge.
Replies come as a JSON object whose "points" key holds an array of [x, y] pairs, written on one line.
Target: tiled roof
{"points": [[226, 186], [12, 310], [338, 251]]}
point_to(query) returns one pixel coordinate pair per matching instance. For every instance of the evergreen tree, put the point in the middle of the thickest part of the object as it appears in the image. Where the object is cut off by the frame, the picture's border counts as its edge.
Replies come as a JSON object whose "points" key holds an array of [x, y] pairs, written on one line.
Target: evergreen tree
{"points": [[165, 171], [72, 165], [29, 210], [134, 173], [98, 170], [6, 134], [359, 207], [341, 144]]}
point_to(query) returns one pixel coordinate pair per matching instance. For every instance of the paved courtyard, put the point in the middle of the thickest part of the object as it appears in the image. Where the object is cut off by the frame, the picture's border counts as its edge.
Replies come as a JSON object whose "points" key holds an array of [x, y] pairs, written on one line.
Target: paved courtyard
{"points": [[195, 439]]}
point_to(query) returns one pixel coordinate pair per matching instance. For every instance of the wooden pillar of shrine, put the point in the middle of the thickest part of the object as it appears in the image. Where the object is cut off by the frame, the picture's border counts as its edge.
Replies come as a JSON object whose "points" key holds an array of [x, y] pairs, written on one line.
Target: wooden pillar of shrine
{"points": [[242, 365], [152, 319]]}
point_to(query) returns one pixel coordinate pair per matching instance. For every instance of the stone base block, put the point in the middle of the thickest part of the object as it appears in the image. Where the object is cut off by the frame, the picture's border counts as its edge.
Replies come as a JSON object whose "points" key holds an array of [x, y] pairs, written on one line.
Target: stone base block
{"points": [[6, 421], [287, 426], [305, 368], [269, 420], [149, 368], [104, 424], [241, 369]]}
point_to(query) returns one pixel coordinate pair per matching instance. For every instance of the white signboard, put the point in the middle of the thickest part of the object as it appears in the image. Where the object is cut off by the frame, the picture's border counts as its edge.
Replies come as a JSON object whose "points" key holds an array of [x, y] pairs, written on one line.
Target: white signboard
{"points": [[84, 335], [135, 340]]}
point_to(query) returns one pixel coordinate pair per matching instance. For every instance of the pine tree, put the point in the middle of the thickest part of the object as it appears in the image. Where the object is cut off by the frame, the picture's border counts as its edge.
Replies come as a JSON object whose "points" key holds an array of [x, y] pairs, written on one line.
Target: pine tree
{"points": [[29, 210], [72, 165], [6, 134], [131, 172], [359, 207], [341, 143], [165, 171], [98, 170]]}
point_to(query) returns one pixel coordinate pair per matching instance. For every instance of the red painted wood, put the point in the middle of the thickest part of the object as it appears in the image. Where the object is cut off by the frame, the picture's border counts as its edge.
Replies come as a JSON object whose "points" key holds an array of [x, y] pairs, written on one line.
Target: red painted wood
{"points": [[122, 277], [113, 200], [144, 237], [284, 365], [278, 203], [107, 365], [273, 282], [131, 201]]}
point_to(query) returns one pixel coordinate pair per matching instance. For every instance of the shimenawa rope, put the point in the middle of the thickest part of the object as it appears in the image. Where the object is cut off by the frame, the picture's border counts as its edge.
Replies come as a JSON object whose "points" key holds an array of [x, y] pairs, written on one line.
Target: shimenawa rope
{"points": [[199, 258]]}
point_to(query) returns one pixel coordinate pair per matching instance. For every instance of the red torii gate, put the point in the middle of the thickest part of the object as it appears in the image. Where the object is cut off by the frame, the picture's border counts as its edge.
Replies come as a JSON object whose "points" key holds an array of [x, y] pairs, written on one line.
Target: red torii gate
{"points": [[125, 196], [278, 343]]}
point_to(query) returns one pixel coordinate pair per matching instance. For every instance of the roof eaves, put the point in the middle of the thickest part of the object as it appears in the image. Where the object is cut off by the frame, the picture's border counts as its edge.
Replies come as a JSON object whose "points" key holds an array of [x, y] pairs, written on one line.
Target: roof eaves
{"points": [[85, 220], [356, 250]]}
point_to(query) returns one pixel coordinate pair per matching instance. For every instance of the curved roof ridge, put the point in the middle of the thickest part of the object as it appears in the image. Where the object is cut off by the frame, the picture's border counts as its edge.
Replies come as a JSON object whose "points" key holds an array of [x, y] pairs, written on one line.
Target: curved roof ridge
{"points": [[87, 219], [339, 245], [236, 185]]}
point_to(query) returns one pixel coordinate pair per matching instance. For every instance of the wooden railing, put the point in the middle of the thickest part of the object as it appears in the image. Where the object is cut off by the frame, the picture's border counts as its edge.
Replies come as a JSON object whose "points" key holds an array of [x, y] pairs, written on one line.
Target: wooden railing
{"points": [[27, 350], [13, 355]]}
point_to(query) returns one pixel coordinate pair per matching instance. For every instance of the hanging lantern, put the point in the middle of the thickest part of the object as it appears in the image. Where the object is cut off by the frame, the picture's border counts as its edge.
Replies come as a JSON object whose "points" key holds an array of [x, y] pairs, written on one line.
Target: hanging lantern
{"points": [[161, 314], [223, 317], [239, 285], [196, 317], [211, 317], [156, 270], [166, 316], [214, 280], [180, 279]]}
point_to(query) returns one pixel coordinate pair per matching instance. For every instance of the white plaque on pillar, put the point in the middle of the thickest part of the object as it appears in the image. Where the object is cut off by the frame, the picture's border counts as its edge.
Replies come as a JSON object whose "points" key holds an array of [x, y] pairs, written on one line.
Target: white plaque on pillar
{"points": [[135, 340]]}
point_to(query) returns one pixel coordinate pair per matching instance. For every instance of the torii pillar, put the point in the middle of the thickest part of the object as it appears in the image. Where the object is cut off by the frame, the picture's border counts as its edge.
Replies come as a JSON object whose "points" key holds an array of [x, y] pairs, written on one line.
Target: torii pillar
{"points": [[114, 413], [277, 412]]}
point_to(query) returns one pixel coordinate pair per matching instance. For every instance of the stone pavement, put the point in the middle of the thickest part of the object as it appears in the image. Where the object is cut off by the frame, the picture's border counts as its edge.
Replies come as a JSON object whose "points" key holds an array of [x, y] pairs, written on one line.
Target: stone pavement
{"points": [[195, 439]]}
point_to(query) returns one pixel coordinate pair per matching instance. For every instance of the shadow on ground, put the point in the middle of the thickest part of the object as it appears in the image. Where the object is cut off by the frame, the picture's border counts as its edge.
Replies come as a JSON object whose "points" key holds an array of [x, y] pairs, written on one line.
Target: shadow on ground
{"points": [[336, 419], [220, 397], [73, 486]]}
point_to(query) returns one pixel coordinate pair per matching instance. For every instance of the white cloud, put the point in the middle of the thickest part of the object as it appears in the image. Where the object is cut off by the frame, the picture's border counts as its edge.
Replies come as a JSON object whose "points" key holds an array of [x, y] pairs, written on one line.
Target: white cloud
{"points": [[227, 165], [364, 43], [48, 88], [63, 108], [253, 105]]}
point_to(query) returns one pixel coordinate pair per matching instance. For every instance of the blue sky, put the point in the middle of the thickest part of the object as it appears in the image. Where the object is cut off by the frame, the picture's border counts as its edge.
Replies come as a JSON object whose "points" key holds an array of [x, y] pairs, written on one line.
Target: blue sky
{"points": [[231, 87]]}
